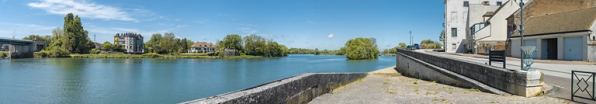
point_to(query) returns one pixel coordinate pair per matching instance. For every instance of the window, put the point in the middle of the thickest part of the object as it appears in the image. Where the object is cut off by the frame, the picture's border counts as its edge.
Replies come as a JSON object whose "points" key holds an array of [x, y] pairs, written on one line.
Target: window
{"points": [[453, 45], [453, 32], [499, 3], [485, 2], [466, 3]]}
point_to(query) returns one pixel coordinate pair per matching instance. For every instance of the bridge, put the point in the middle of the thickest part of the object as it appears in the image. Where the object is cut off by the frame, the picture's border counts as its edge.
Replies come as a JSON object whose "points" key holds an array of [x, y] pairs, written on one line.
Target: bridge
{"points": [[21, 48]]}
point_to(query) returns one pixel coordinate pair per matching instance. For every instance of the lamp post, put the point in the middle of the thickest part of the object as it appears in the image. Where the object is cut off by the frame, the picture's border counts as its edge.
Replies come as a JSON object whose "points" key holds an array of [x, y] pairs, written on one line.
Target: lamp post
{"points": [[521, 31], [410, 37]]}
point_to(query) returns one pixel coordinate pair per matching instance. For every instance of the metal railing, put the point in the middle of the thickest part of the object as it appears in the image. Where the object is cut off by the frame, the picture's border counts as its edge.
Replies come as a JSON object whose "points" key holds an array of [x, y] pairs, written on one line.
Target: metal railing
{"points": [[591, 76]]}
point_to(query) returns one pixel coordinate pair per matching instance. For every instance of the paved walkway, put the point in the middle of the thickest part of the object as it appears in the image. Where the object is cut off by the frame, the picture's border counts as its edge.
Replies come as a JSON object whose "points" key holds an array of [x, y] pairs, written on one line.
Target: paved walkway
{"points": [[557, 72], [386, 86]]}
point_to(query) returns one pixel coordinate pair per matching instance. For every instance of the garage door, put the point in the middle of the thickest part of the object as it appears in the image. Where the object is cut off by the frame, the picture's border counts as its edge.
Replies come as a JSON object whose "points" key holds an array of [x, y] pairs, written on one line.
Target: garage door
{"points": [[531, 43], [573, 48]]}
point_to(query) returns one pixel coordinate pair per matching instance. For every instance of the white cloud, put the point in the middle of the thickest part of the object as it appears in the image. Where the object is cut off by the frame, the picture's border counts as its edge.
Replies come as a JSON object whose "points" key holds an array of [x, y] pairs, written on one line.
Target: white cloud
{"points": [[330, 36], [83, 9], [247, 30], [181, 26]]}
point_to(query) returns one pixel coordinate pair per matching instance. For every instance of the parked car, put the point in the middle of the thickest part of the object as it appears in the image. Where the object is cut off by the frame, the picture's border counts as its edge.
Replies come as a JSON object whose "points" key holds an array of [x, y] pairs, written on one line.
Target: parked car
{"points": [[416, 46], [422, 46]]}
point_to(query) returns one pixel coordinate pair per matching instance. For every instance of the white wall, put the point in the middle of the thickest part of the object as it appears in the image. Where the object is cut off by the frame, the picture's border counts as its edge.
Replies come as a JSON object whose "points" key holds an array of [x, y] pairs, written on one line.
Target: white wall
{"points": [[456, 17], [498, 30]]}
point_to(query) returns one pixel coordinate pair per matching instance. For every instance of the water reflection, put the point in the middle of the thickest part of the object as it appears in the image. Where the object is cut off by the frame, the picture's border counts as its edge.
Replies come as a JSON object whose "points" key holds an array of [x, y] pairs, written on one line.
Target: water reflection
{"points": [[65, 80]]}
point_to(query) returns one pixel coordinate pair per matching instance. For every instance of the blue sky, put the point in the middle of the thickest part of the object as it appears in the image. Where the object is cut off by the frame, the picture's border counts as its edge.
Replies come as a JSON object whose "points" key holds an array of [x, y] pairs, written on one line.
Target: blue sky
{"points": [[294, 23]]}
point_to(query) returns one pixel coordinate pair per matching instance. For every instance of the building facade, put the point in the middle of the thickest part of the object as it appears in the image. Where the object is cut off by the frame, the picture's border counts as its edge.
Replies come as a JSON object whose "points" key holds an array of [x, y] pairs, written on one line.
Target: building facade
{"points": [[456, 22], [202, 47], [560, 29], [488, 27], [132, 42]]}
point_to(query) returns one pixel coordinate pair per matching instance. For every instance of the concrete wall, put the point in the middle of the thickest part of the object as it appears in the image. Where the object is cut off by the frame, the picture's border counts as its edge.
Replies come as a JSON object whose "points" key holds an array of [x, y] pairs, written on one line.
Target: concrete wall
{"points": [[515, 82], [295, 90]]}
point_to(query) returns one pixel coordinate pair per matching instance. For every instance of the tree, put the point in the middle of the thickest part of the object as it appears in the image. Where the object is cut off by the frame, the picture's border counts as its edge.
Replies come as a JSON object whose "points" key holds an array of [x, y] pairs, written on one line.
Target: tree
{"points": [[45, 38], [106, 46], [402, 45], [442, 36], [361, 49], [317, 51], [232, 41], [254, 45], [78, 40]]}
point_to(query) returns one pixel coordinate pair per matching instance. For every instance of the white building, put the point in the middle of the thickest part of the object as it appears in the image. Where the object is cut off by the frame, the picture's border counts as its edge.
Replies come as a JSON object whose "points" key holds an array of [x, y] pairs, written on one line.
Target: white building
{"points": [[487, 26], [456, 21], [132, 42]]}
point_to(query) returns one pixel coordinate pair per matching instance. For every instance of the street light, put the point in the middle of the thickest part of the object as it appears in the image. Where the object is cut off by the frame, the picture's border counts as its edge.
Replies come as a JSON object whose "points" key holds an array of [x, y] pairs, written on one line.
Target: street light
{"points": [[410, 37]]}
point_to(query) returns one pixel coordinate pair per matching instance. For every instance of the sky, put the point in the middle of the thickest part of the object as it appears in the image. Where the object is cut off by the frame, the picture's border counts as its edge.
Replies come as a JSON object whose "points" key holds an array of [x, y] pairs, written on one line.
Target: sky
{"points": [[322, 24]]}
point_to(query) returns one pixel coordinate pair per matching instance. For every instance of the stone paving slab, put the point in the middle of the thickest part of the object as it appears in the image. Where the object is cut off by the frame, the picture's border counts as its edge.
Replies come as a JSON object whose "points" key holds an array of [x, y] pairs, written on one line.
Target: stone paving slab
{"points": [[392, 88]]}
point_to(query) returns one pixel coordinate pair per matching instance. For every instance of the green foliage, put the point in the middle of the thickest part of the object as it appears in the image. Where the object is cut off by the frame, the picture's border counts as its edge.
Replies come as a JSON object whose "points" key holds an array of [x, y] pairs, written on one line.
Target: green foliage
{"points": [[258, 46], [442, 36], [106, 46], [341, 51], [402, 45], [167, 44], [95, 51], [3, 54], [45, 38], [77, 37], [232, 41], [55, 52], [317, 51], [361, 49], [254, 45], [429, 44], [151, 55]]}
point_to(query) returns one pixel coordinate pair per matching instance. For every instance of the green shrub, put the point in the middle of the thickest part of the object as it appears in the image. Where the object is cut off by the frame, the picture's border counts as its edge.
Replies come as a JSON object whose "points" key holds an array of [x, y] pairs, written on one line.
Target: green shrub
{"points": [[41, 54], [58, 52], [151, 55], [3, 54], [94, 51]]}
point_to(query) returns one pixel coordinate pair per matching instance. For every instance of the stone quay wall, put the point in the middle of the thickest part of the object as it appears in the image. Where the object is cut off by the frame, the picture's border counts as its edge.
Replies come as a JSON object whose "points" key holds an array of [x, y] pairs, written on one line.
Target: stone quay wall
{"points": [[469, 74], [296, 90]]}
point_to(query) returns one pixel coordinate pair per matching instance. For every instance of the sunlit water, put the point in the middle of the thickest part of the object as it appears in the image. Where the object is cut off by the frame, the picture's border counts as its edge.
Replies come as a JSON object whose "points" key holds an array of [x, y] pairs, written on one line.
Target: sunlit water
{"points": [[76, 81]]}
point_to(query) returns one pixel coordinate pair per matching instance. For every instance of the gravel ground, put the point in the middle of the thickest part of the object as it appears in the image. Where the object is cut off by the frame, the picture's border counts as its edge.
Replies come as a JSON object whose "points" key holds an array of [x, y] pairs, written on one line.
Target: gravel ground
{"points": [[390, 88]]}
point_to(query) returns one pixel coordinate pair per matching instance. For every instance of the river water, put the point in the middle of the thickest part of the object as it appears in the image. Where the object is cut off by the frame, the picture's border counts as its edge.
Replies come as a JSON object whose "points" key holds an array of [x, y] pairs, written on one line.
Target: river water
{"points": [[77, 81]]}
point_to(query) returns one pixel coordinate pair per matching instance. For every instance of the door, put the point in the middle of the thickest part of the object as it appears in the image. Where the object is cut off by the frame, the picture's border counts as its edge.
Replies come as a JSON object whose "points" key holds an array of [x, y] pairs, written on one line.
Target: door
{"points": [[552, 48], [572, 48]]}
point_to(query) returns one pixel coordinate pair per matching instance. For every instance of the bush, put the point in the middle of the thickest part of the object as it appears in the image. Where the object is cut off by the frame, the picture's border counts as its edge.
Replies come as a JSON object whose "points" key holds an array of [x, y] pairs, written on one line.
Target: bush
{"points": [[94, 51], [58, 52], [361, 49], [3, 54], [41, 54]]}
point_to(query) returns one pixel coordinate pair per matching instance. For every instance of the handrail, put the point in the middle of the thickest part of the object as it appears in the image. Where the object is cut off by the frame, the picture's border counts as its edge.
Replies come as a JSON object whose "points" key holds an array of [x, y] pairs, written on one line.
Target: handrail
{"points": [[580, 88]]}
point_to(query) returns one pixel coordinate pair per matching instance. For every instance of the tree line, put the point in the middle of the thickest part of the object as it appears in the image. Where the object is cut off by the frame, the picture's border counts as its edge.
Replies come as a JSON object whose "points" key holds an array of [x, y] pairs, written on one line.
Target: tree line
{"points": [[168, 44], [251, 45]]}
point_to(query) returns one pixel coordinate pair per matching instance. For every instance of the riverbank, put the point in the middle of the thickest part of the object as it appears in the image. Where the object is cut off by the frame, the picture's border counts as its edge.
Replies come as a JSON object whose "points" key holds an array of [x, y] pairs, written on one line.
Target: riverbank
{"points": [[158, 56], [387, 85]]}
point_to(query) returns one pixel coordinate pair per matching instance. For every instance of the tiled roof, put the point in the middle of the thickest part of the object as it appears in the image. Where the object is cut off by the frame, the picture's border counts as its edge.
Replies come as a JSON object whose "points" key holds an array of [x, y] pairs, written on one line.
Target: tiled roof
{"points": [[203, 44], [572, 21]]}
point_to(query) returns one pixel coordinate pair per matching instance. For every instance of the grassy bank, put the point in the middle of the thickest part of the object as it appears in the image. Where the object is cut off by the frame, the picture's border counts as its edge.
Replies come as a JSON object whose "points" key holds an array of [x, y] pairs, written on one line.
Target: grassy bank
{"points": [[158, 56]]}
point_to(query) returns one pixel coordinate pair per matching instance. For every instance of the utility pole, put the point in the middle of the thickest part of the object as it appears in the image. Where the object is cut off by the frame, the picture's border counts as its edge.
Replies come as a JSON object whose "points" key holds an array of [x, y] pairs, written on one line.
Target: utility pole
{"points": [[521, 32]]}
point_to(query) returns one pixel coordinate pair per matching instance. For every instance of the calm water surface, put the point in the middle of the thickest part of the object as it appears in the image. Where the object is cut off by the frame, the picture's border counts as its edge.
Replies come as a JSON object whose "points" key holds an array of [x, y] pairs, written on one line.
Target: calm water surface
{"points": [[77, 81]]}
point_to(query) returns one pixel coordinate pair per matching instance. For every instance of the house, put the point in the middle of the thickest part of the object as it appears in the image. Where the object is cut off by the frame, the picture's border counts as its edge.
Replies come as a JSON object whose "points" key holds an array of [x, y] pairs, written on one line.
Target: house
{"points": [[456, 21], [97, 45], [202, 47], [132, 42], [562, 36], [489, 34]]}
